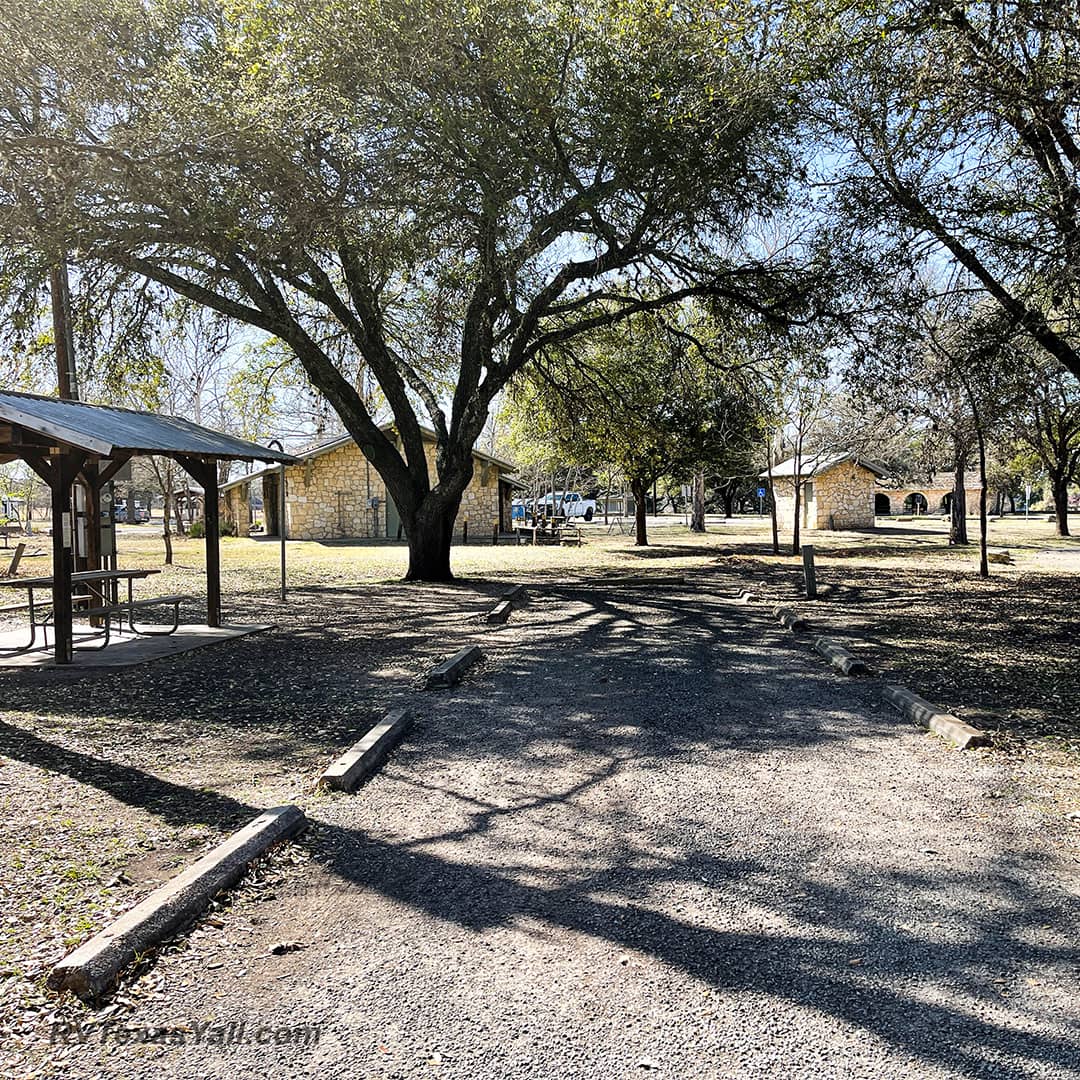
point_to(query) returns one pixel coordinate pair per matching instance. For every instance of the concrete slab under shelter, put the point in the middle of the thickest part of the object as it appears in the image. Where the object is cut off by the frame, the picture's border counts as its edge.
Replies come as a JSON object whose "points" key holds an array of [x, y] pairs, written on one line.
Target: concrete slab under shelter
{"points": [[124, 649]]}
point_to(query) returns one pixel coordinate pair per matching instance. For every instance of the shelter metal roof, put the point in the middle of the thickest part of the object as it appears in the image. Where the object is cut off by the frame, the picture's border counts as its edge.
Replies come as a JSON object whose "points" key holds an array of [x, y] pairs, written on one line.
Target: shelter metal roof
{"points": [[107, 430]]}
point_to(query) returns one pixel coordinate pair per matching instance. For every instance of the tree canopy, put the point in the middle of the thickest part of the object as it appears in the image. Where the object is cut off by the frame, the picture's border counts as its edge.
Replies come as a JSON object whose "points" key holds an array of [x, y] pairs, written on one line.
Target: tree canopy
{"points": [[646, 397], [958, 122], [449, 191]]}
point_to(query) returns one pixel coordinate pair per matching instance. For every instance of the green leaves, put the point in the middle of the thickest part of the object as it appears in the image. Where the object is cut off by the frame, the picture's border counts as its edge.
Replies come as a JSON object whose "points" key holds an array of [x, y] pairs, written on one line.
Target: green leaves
{"points": [[645, 396]]}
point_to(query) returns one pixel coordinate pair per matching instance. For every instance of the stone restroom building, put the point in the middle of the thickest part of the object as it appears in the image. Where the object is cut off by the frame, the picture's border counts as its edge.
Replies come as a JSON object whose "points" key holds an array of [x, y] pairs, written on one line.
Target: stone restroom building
{"points": [[334, 493], [837, 491]]}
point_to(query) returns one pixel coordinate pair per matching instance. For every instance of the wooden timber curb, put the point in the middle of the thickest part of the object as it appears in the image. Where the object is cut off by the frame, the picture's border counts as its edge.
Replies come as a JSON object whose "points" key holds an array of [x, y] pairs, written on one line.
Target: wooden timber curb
{"points": [[839, 657], [499, 613], [917, 709], [92, 968], [365, 757], [920, 711], [504, 608], [450, 671]]}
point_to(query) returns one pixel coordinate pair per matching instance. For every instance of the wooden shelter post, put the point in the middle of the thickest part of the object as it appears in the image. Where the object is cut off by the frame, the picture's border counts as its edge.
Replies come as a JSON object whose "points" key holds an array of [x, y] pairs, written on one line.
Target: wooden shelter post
{"points": [[204, 473], [65, 467]]}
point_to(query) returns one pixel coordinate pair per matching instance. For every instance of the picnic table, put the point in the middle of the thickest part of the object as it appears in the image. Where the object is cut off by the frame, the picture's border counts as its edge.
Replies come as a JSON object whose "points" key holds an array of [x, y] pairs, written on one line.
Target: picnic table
{"points": [[102, 602]]}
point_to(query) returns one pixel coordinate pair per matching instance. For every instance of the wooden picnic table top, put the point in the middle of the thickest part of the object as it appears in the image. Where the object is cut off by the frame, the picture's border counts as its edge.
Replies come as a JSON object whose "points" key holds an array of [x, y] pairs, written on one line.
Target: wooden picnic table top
{"points": [[76, 579]]}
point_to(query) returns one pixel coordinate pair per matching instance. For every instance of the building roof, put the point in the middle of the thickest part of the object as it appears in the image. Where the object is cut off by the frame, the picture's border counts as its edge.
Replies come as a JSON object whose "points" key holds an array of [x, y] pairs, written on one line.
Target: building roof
{"points": [[344, 440], [815, 464], [107, 430]]}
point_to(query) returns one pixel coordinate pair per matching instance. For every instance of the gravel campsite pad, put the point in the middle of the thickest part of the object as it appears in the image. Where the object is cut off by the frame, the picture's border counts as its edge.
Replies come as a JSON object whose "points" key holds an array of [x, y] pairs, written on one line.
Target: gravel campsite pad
{"points": [[652, 834]]}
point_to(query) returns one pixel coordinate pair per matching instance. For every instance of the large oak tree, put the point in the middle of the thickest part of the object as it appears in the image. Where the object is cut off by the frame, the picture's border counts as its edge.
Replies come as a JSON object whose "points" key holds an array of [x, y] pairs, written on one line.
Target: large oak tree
{"points": [[647, 397], [959, 121], [432, 191]]}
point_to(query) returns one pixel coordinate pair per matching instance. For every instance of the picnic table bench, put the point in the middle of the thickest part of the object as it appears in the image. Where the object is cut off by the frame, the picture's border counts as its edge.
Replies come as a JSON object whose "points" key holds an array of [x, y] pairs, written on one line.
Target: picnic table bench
{"points": [[102, 602]]}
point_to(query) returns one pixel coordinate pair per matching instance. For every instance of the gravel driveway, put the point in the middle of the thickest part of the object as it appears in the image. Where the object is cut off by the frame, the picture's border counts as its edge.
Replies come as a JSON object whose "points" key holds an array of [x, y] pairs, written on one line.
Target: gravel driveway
{"points": [[652, 835]]}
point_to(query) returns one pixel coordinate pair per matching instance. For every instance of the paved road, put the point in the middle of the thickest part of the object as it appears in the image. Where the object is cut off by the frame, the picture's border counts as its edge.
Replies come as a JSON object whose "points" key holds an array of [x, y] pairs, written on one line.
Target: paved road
{"points": [[653, 835]]}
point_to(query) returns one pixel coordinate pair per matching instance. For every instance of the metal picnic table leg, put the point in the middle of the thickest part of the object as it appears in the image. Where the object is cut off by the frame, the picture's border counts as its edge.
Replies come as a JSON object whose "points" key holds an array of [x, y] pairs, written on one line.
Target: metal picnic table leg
{"points": [[33, 629]]}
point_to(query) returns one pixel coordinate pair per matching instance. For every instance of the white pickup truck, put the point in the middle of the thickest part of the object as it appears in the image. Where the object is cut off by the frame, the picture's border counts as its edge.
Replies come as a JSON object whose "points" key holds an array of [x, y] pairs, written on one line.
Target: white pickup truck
{"points": [[568, 504]]}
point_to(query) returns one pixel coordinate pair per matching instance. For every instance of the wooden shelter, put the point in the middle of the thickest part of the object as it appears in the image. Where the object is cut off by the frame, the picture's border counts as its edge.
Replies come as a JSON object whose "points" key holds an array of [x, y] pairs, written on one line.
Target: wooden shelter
{"points": [[68, 441]]}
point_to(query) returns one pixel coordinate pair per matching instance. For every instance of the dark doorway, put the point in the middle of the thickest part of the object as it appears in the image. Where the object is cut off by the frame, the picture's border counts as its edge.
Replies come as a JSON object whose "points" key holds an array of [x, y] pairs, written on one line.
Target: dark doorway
{"points": [[393, 518], [271, 504]]}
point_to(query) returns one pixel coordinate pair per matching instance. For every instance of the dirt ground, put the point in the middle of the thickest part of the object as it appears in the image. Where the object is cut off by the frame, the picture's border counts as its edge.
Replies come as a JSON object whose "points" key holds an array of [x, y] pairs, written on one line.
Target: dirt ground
{"points": [[109, 783]]}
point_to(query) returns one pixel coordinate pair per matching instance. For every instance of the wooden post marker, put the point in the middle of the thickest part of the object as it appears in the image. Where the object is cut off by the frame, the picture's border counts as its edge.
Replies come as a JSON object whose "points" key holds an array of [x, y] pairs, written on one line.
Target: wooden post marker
{"points": [[808, 571]]}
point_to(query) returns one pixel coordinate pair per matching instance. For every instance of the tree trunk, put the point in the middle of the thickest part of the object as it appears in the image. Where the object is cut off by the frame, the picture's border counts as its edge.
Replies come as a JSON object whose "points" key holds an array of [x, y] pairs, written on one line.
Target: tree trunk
{"points": [[727, 494], [1060, 488], [797, 480], [772, 502], [166, 532], [697, 518], [796, 532], [638, 488], [429, 532], [958, 533], [984, 563]]}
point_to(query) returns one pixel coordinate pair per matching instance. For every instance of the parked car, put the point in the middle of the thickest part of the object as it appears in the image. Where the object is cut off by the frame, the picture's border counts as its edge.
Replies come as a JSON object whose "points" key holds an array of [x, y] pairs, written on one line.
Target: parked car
{"points": [[569, 504], [120, 514]]}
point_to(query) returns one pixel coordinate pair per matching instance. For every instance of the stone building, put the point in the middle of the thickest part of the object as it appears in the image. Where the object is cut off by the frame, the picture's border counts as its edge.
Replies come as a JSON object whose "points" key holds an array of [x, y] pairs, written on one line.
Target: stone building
{"points": [[837, 491], [335, 493]]}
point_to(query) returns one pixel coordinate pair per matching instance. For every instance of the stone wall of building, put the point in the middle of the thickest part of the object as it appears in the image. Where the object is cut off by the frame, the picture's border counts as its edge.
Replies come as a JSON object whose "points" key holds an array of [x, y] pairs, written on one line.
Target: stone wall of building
{"points": [[784, 493], [328, 497], [838, 498], [935, 499], [843, 498], [234, 506]]}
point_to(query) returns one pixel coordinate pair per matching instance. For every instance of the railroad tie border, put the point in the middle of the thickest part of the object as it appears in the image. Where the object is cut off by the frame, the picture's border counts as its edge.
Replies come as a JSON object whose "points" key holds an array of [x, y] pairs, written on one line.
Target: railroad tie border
{"points": [[922, 712], [450, 671], [789, 618], [92, 969], [365, 757], [839, 657], [499, 613]]}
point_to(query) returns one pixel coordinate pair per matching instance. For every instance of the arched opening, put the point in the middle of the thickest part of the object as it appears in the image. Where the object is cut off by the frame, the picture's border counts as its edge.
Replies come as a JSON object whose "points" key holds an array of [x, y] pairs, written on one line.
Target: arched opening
{"points": [[946, 503], [915, 503], [882, 505]]}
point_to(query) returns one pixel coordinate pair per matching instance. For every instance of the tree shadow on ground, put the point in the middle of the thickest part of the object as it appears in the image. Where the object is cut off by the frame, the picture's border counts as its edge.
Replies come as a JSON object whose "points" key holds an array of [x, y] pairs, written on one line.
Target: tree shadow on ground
{"points": [[889, 994], [928, 996]]}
